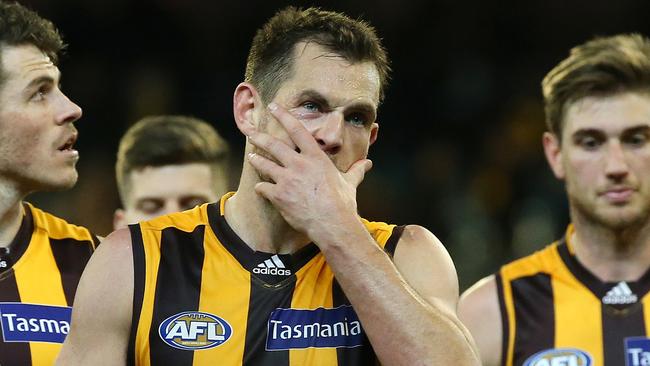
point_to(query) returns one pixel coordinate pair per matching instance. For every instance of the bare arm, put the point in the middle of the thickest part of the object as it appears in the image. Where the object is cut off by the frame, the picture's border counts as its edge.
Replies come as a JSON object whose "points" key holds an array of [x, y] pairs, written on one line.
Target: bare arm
{"points": [[101, 316], [408, 309], [479, 310]]}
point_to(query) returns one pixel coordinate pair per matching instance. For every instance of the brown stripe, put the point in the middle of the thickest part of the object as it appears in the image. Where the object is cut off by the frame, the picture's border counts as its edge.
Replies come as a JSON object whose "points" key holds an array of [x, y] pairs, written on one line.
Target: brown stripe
{"points": [[505, 325], [534, 314], [178, 288], [391, 243], [139, 264], [12, 353], [71, 257]]}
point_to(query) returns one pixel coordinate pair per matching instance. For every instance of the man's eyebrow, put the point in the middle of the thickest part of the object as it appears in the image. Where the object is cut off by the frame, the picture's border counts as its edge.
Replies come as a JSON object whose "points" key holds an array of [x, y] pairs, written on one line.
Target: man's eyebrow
{"points": [[45, 79], [319, 98], [637, 129], [315, 96]]}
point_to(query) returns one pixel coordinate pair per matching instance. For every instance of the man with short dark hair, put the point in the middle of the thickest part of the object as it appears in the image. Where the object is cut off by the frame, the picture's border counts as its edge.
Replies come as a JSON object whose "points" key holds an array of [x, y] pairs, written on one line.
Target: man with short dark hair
{"points": [[153, 156], [41, 256], [583, 300], [283, 271]]}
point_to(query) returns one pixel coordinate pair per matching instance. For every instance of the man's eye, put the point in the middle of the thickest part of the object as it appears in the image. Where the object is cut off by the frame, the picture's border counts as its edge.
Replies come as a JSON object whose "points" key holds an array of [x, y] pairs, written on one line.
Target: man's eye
{"points": [[311, 106], [637, 139], [589, 143], [357, 119], [193, 202], [150, 206], [40, 94]]}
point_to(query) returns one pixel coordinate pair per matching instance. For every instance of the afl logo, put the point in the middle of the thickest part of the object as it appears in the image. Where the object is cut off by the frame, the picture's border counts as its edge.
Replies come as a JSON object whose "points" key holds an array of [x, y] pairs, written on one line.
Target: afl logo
{"points": [[194, 330], [559, 356]]}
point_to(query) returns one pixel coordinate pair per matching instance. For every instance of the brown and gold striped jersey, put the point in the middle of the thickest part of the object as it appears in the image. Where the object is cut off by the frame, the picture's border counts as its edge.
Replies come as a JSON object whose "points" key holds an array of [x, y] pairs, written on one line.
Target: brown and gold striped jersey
{"points": [[203, 297], [39, 273], [556, 312]]}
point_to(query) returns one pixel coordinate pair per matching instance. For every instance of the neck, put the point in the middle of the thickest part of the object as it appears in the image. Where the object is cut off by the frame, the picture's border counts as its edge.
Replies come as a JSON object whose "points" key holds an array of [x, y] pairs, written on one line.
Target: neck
{"points": [[257, 222], [11, 212], [612, 255]]}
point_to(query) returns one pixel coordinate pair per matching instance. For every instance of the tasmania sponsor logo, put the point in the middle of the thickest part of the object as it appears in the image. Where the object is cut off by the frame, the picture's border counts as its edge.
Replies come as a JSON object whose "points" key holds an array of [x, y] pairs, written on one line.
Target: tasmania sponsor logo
{"points": [[194, 330], [559, 357], [34, 323], [637, 351], [319, 328], [272, 266]]}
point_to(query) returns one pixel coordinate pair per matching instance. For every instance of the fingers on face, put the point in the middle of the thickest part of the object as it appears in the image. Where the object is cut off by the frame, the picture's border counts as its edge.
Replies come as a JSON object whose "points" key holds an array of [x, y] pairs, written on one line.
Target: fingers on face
{"points": [[297, 132], [358, 171], [265, 166]]}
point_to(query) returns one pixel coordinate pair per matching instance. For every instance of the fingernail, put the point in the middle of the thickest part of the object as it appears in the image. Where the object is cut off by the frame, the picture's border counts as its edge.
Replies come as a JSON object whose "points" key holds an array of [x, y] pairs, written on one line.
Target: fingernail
{"points": [[251, 155], [272, 106]]}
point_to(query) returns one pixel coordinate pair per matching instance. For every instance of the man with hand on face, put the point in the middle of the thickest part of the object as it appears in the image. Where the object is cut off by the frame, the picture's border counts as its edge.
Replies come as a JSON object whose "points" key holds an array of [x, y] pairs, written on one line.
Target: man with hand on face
{"points": [[168, 164], [583, 300], [283, 271], [41, 256]]}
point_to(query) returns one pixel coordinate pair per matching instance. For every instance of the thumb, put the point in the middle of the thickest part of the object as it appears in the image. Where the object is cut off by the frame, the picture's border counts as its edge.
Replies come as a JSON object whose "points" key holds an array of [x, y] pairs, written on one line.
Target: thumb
{"points": [[358, 171]]}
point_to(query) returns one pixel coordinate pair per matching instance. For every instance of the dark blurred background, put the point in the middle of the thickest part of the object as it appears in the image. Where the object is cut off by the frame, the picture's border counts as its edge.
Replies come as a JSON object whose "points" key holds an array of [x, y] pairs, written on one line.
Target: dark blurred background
{"points": [[459, 148]]}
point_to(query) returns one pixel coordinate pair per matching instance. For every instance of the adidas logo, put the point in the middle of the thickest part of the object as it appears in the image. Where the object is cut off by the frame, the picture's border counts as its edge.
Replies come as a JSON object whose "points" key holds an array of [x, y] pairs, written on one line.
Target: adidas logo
{"points": [[620, 294], [272, 266]]}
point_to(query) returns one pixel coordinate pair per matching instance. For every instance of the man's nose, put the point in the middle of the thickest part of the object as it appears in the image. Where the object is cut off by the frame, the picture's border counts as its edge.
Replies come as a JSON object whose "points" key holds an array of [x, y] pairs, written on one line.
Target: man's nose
{"points": [[329, 133]]}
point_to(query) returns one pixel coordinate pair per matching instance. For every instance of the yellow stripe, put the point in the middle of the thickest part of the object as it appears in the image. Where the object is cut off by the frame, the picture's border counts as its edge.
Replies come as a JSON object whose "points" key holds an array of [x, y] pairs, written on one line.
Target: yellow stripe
{"points": [[57, 228], [151, 239], [35, 288], [309, 296], [575, 306], [221, 298], [646, 313]]}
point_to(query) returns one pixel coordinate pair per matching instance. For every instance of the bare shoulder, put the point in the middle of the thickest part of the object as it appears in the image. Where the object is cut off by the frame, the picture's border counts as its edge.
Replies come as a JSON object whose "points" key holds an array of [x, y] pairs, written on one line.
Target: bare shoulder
{"points": [[479, 311], [102, 305], [426, 265]]}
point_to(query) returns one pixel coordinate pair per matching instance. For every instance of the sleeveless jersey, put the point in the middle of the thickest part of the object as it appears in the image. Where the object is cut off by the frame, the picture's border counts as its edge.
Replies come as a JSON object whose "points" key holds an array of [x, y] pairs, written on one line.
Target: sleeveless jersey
{"points": [[39, 273], [555, 312], [203, 297]]}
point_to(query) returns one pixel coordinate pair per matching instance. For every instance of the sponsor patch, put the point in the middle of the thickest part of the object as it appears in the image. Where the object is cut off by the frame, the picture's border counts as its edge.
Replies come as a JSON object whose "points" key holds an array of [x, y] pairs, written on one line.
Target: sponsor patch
{"points": [[637, 351], [319, 328], [559, 357], [194, 330], [34, 323]]}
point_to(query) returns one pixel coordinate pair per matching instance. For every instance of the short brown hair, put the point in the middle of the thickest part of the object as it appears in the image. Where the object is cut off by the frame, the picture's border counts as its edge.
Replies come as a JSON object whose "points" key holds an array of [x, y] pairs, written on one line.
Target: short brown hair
{"points": [[169, 140], [602, 66], [19, 26], [270, 59]]}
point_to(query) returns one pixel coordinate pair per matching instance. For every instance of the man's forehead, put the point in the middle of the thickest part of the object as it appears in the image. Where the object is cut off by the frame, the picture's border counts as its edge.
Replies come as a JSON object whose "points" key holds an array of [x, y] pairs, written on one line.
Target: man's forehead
{"points": [[614, 111], [315, 67], [25, 60]]}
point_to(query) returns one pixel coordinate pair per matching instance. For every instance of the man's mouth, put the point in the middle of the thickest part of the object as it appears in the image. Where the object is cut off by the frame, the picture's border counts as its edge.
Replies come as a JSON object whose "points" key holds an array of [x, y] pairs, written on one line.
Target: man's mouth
{"points": [[69, 144]]}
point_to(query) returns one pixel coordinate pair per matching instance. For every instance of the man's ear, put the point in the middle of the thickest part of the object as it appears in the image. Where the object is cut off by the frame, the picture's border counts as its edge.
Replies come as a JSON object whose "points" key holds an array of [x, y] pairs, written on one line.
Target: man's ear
{"points": [[245, 100], [119, 220], [553, 152], [374, 130]]}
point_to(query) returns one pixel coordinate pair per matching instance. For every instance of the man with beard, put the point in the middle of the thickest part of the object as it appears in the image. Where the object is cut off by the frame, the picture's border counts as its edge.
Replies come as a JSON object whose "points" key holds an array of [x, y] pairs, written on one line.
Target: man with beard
{"points": [[583, 300], [41, 256], [283, 271]]}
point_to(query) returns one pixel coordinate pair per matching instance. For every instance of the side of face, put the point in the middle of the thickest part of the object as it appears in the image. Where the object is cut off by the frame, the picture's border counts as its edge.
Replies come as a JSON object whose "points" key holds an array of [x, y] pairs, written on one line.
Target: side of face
{"points": [[157, 191], [604, 158], [335, 100], [36, 130]]}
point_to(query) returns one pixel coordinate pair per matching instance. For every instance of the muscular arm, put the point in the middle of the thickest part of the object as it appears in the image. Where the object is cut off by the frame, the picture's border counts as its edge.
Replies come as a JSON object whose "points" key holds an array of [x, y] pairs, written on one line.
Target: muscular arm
{"points": [[479, 311], [408, 309], [101, 316]]}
